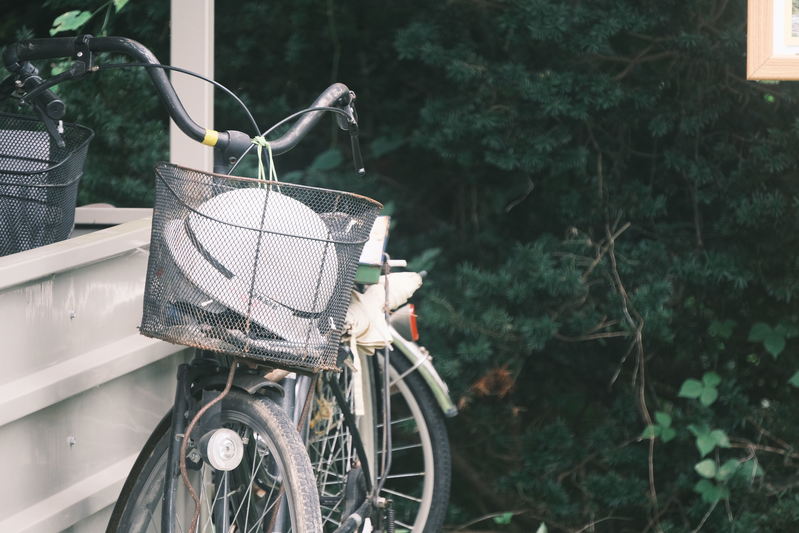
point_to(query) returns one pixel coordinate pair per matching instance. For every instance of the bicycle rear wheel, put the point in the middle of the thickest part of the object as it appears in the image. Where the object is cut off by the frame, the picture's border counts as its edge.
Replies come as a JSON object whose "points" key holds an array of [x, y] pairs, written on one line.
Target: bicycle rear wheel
{"points": [[419, 479], [272, 489]]}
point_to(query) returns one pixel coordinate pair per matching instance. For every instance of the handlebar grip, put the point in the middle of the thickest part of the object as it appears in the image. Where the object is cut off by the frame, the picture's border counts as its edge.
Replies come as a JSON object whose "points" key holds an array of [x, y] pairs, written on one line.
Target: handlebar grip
{"points": [[38, 49]]}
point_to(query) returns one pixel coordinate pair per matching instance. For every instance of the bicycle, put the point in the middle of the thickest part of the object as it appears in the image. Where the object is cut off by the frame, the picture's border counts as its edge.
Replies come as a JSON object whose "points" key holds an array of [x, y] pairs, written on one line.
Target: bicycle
{"points": [[245, 455]]}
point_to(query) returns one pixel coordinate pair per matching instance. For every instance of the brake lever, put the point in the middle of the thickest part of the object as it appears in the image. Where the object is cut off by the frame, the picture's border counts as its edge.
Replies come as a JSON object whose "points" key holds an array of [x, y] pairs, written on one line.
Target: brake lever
{"points": [[357, 157], [350, 123], [54, 130]]}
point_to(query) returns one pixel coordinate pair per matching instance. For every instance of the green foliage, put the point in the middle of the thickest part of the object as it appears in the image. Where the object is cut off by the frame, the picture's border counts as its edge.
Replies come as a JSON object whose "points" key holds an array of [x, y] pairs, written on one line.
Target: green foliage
{"points": [[773, 339], [706, 390], [661, 429], [603, 202], [503, 519], [71, 20], [707, 440]]}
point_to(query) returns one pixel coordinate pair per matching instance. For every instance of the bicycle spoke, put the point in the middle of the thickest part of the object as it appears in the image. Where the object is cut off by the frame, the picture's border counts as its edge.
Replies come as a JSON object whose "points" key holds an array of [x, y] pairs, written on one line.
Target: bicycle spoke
{"points": [[402, 524], [401, 495], [395, 449], [397, 476], [397, 421]]}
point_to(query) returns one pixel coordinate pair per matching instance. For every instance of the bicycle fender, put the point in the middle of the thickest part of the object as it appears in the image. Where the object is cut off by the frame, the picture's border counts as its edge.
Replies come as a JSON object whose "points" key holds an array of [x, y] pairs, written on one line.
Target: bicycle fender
{"points": [[422, 362], [249, 383]]}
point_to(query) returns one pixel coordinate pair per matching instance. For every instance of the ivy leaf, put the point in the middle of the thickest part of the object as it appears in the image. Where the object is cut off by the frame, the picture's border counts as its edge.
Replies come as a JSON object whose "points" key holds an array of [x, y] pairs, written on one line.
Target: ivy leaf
{"points": [[698, 430], [794, 379], [721, 329], [705, 443], [650, 432], [720, 438], [119, 4], [691, 388], [667, 434], [706, 468], [774, 345], [750, 470], [711, 379], [663, 419], [773, 339], [708, 396], [759, 332], [71, 20], [788, 331], [727, 470], [711, 493]]}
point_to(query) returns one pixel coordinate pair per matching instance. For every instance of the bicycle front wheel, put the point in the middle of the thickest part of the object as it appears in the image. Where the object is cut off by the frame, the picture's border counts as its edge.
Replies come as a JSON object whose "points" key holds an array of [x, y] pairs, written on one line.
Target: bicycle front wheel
{"points": [[272, 489]]}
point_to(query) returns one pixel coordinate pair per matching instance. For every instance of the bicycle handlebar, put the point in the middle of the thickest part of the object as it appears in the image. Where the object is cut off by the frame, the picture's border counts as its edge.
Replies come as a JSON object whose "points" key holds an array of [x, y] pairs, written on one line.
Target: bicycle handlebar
{"points": [[229, 144]]}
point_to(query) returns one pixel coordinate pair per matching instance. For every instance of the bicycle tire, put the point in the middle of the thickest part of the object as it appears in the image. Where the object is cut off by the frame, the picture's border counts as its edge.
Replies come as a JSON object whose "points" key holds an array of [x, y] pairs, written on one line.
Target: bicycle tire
{"points": [[271, 442], [410, 397], [413, 392]]}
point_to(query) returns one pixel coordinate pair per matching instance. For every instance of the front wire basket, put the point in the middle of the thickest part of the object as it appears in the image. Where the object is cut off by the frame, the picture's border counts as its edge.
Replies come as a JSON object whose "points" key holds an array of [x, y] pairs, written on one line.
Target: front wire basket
{"points": [[257, 269], [38, 182]]}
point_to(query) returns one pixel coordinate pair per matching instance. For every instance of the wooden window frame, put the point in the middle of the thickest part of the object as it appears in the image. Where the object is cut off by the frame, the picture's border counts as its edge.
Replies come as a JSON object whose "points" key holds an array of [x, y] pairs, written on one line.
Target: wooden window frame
{"points": [[763, 62]]}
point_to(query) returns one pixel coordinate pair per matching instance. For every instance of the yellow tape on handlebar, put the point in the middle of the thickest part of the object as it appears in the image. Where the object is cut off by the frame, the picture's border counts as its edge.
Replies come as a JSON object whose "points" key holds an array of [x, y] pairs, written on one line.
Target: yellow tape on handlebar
{"points": [[211, 137]]}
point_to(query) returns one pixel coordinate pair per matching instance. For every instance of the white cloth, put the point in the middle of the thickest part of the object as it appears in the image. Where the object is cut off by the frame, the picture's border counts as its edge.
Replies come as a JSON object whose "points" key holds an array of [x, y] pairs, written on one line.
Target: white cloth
{"points": [[366, 326], [366, 323]]}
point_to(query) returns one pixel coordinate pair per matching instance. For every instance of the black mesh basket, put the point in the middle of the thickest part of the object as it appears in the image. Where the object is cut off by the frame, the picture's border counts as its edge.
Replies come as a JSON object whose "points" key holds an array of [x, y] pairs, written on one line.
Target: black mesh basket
{"points": [[260, 270], [38, 182]]}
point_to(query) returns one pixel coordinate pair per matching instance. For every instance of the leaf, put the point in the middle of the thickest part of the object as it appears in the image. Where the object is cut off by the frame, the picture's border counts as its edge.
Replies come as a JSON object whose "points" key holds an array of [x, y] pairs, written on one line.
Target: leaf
{"points": [[750, 470], [727, 470], [698, 430], [504, 518], [774, 344], [71, 20], [711, 379], [542, 528], [721, 329], [759, 332], [710, 491], [650, 432], [720, 438], [119, 4], [708, 396], [788, 331], [705, 444], [667, 434], [691, 388], [794, 379], [706, 468], [663, 419], [327, 160]]}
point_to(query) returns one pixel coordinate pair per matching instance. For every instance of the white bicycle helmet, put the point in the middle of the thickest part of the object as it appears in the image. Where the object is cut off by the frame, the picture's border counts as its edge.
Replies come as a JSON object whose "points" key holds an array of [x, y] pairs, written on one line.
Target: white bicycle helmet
{"points": [[281, 277]]}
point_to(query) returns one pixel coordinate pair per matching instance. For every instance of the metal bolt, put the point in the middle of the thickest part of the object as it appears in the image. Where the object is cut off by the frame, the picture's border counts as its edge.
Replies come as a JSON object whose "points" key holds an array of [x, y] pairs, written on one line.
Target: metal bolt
{"points": [[72, 315], [72, 441], [79, 54]]}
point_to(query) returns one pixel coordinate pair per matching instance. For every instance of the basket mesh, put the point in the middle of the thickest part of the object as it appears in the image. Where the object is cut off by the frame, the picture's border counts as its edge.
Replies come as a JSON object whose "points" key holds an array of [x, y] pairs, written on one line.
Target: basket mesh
{"points": [[38, 182], [261, 270]]}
